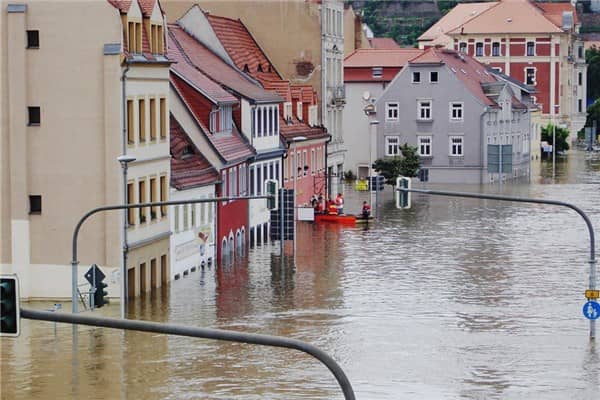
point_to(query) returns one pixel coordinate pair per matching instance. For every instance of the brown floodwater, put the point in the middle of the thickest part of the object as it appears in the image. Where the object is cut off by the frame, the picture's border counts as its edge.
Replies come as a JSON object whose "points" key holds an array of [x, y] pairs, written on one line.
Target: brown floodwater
{"points": [[452, 299]]}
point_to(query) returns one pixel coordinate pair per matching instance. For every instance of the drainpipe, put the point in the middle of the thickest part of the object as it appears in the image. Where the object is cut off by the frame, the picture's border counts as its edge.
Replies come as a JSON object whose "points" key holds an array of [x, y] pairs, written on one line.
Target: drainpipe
{"points": [[483, 159], [327, 177], [124, 283]]}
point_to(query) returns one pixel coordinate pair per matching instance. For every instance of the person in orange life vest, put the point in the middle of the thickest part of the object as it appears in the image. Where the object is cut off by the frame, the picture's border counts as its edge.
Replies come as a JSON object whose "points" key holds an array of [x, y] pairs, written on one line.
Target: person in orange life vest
{"points": [[331, 207], [366, 210], [339, 202]]}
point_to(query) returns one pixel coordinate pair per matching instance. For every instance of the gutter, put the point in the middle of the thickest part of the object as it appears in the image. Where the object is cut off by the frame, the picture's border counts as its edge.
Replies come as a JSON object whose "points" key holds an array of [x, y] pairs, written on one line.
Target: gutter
{"points": [[124, 117]]}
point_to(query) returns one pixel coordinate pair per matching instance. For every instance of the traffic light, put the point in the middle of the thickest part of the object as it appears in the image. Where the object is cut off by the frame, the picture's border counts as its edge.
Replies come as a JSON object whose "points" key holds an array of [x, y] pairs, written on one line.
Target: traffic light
{"points": [[402, 197], [377, 183], [100, 294], [10, 313], [271, 190]]}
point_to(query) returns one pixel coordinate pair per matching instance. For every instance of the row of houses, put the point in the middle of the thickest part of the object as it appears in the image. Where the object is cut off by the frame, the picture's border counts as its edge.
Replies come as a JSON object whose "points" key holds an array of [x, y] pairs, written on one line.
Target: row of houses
{"points": [[135, 101], [450, 97], [211, 99]]}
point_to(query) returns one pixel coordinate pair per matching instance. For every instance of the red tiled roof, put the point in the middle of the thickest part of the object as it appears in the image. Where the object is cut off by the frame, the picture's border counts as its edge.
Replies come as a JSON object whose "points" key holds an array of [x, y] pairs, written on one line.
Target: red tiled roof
{"points": [[383, 43], [188, 167], [121, 5], [278, 86], [297, 129], [241, 46], [468, 70], [217, 69], [146, 6], [380, 58], [185, 70], [554, 12], [231, 147]]}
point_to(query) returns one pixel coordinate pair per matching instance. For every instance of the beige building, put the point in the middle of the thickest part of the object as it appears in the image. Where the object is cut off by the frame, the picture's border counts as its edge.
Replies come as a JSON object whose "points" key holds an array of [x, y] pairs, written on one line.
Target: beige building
{"points": [[63, 125], [306, 40]]}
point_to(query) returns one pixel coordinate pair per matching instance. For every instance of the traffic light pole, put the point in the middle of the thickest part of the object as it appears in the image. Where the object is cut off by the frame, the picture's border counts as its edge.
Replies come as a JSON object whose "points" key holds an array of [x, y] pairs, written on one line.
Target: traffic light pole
{"points": [[205, 333], [592, 261], [75, 262]]}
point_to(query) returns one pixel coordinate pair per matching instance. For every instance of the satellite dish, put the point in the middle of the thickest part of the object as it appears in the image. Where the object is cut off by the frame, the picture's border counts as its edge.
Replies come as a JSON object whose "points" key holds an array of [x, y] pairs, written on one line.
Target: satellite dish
{"points": [[366, 95]]}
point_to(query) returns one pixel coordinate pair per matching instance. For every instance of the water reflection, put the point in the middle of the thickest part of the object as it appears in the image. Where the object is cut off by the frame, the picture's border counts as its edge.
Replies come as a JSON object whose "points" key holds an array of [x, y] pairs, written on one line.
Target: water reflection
{"points": [[454, 298]]}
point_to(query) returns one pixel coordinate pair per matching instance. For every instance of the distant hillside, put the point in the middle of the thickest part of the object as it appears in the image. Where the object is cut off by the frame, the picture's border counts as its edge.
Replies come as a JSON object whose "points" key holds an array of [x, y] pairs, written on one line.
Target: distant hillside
{"points": [[406, 20], [403, 20]]}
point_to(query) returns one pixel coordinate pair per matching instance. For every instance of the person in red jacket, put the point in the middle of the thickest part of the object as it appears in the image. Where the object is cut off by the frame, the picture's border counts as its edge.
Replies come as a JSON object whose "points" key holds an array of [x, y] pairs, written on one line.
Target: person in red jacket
{"points": [[366, 210], [339, 202]]}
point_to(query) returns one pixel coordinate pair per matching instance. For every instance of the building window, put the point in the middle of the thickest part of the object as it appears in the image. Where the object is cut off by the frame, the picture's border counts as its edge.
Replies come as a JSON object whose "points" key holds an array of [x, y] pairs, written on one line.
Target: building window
{"points": [[391, 111], [580, 78], [479, 49], [416, 77], [392, 145], [579, 105], [497, 69], [456, 111], [433, 77], [456, 145], [130, 129], [35, 204], [152, 119], [462, 47], [33, 39], [142, 120], [163, 118], [142, 197], [163, 194], [424, 146], [154, 210], [424, 109], [130, 200], [252, 183], [580, 52], [530, 76], [377, 72], [530, 49], [495, 49], [134, 33], [34, 115]]}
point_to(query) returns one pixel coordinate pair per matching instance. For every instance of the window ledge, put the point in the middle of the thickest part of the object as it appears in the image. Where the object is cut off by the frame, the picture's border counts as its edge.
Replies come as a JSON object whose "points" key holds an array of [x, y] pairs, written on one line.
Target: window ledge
{"points": [[34, 124], [424, 120], [35, 213]]}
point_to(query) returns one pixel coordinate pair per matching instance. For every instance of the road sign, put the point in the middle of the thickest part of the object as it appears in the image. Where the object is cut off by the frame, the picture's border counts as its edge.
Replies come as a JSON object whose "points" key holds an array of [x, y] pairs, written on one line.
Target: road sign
{"points": [[94, 270], [591, 310], [592, 294]]}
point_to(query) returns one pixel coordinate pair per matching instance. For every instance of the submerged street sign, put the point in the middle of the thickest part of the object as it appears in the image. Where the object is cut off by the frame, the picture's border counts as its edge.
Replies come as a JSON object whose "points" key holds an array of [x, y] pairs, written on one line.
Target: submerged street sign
{"points": [[591, 310]]}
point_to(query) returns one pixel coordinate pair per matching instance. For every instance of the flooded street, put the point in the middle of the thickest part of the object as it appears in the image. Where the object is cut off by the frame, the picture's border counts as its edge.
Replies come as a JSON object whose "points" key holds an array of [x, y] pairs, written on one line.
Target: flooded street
{"points": [[452, 299]]}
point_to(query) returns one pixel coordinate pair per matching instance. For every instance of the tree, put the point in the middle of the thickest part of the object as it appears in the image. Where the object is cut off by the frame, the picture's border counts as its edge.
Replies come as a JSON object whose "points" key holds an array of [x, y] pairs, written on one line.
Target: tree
{"points": [[407, 164], [592, 57], [562, 136]]}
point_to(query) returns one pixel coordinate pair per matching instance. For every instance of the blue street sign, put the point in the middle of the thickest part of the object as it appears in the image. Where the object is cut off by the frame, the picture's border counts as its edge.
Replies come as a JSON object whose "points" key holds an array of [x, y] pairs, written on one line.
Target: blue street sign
{"points": [[591, 310]]}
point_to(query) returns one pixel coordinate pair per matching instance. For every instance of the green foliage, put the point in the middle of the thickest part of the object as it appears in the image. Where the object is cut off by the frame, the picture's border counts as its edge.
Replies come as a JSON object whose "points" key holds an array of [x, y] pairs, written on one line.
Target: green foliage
{"points": [[562, 136], [592, 57], [349, 175], [405, 165], [593, 113]]}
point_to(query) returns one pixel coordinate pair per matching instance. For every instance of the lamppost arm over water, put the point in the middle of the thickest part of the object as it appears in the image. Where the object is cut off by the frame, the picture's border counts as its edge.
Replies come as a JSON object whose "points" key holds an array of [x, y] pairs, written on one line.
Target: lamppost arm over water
{"points": [[592, 273]]}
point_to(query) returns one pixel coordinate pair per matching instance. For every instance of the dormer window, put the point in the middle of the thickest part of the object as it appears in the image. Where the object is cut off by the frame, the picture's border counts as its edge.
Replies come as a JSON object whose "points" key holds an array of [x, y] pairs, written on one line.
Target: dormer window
{"points": [[187, 151], [287, 111], [221, 120], [299, 110], [530, 49], [156, 39], [134, 37]]}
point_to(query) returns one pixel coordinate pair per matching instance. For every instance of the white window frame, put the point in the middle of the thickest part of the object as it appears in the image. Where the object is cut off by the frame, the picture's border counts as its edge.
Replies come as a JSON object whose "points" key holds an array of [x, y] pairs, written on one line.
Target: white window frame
{"points": [[416, 74], [534, 75], [456, 149], [437, 74], [389, 107], [389, 144], [298, 110], [421, 108], [499, 49], [377, 72], [482, 49], [527, 47], [427, 142], [460, 110], [465, 45]]}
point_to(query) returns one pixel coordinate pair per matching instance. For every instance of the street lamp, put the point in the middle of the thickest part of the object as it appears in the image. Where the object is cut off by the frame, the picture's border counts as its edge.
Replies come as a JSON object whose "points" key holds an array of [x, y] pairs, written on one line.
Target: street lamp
{"points": [[372, 128], [124, 160], [295, 140], [554, 111]]}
